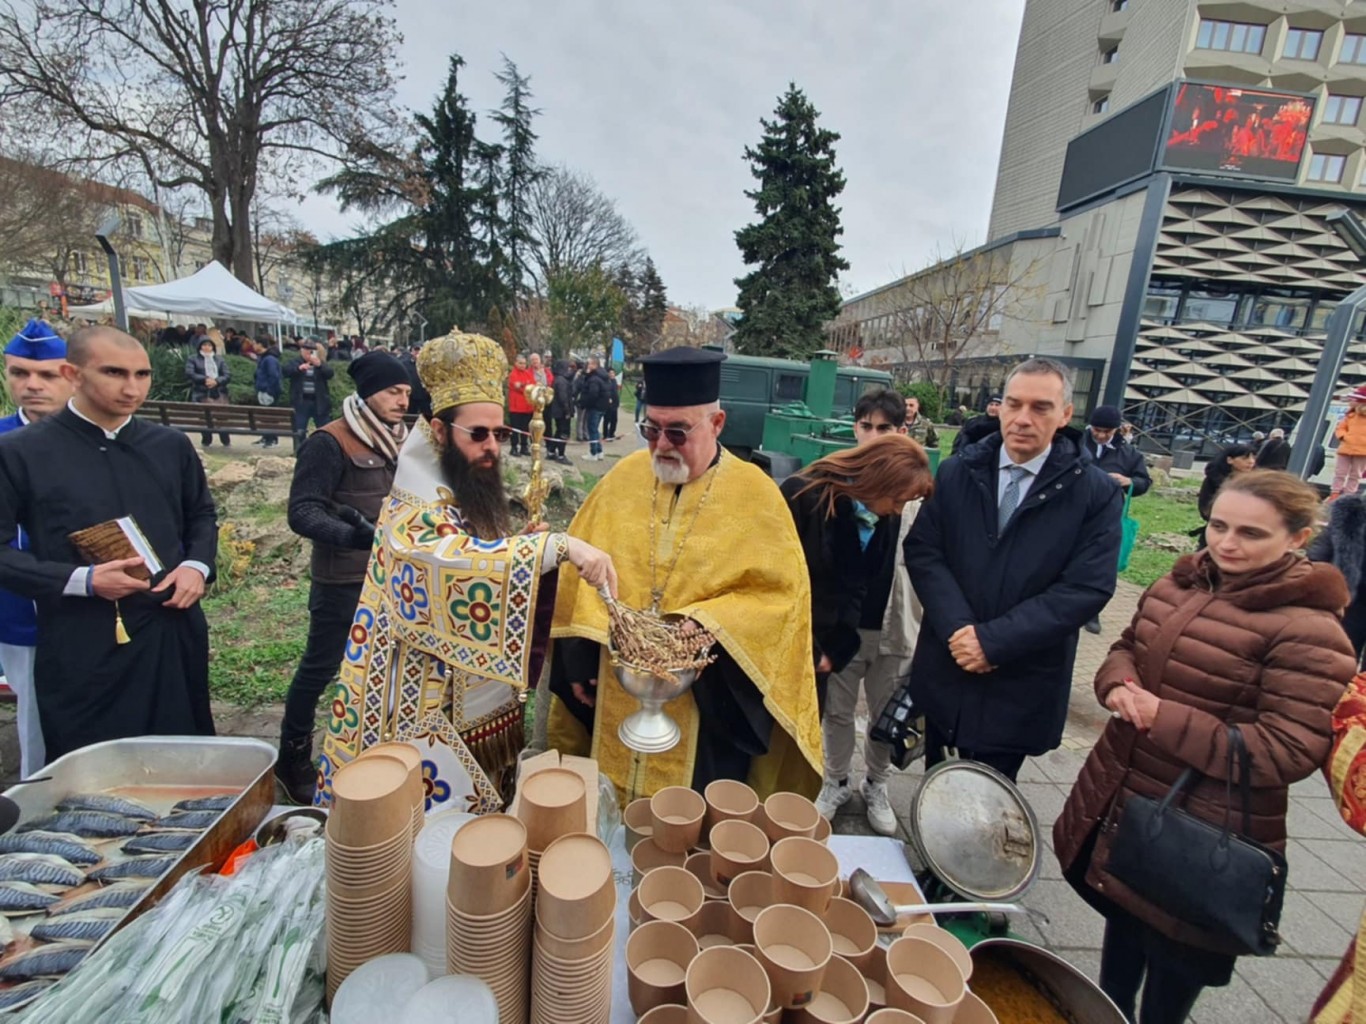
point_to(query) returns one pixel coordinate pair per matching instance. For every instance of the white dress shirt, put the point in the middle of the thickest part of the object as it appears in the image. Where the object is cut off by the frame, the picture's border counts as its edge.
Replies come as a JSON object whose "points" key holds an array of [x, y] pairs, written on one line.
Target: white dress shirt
{"points": [[77, 585], [1031, 468]]}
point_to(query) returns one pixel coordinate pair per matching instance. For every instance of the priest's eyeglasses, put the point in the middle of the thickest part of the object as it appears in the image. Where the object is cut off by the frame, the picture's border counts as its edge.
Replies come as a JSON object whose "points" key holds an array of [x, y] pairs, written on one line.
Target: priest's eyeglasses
{"points": [[678, 436], [481, 434]]}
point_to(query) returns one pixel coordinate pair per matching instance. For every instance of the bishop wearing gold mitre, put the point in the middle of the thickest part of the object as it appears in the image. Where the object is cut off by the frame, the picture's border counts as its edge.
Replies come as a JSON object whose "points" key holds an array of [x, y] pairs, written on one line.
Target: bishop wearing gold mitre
{"points": [[693, 530], [454, 609]]}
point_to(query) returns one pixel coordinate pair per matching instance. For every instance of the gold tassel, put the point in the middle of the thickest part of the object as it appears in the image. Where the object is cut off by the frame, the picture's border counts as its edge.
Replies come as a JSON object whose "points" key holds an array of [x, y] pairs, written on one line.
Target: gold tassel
{"points": [[120, 632]]}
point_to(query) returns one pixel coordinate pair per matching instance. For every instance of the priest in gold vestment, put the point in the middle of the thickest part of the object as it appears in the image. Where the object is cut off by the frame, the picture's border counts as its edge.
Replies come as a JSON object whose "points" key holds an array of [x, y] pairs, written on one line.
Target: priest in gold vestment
{"points": [[454, 611], [696, 531]]}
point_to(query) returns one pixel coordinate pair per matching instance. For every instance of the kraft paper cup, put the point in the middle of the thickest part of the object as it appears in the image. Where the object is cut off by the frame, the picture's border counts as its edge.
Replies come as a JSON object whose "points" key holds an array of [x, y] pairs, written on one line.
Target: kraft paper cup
{"points": [[795, 950], [671, 894], [718, 924], [736, 847], [890, 1016], [369, 801], [657, 957], [946, 941], [699, 864], [552, 803], [852, 932], [924, 980], [676, 815], [666, 1015], [788, 814], [637, 821], [973, 1011], [805, 873], [576, 949], [576, 894], [726, 986], [728, 800], [489, 872], [750, 893], [843, 998], [647, 856], [823, 830], [410, 756], [634, 911], [875, 974]]}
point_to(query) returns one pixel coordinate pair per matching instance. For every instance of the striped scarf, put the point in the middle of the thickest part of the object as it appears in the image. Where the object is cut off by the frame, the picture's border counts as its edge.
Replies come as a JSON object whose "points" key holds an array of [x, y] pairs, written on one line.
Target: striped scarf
{"points": [[378, 436]]}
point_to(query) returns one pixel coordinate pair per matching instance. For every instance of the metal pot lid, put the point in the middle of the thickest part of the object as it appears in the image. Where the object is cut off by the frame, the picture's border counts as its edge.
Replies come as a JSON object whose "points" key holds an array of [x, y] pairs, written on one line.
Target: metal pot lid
{"points": [[975, 831]]}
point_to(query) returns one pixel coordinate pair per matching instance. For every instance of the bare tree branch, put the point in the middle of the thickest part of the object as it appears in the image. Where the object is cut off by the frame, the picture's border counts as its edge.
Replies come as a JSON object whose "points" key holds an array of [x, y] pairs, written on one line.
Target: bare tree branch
{"points": [[576, 227]]}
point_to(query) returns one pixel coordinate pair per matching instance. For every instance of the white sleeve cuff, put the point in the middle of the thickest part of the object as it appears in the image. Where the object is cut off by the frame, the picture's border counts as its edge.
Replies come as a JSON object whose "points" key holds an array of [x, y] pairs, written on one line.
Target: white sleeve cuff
{"points": [[75, 586]]}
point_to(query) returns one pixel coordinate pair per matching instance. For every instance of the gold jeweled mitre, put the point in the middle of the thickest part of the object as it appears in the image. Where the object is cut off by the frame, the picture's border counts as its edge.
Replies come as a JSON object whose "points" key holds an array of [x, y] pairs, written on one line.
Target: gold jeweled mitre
{"points": [[462, 368]]}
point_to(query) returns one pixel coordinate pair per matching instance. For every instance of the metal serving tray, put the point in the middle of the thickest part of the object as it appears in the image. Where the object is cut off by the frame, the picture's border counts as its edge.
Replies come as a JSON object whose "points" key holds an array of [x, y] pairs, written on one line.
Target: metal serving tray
{"points": [[223, 762]]}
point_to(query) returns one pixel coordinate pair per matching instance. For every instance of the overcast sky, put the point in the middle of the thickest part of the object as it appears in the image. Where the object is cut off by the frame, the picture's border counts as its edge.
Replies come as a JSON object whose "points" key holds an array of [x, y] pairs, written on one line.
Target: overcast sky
{"points": [[657, 100]]}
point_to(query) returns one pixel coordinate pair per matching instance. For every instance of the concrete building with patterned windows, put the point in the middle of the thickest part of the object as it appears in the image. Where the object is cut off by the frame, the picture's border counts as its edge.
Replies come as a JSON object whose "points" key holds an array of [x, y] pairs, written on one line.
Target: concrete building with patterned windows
{"points": [[1185, 154]]}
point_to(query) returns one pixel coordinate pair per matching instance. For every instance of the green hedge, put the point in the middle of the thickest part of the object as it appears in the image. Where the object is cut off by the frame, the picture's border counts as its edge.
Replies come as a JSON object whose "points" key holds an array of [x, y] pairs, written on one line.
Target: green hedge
{"points": [[930, 399]]}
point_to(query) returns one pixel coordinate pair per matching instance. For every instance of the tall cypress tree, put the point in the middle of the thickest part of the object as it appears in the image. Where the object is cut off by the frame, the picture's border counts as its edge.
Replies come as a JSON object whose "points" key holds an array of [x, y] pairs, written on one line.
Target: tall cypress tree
{"points": [[520, 170], [791, 293]]}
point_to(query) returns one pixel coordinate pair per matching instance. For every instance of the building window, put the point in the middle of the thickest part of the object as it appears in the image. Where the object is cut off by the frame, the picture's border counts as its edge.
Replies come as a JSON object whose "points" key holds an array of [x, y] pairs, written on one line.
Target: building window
{"points": [[1341, 109], [1110, 56], [134, 226], [1230, 35], [1326, 167], [139, 268], [1162, 300], [198, 265], [1353, 49], [1101, 106], [1119, 5], [1302, 44], [78, 262], [1214, 303]]}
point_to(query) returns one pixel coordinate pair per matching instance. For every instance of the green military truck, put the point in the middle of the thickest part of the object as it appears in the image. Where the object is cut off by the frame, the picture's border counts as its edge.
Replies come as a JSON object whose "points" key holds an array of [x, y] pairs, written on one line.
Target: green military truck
{"points": [[753, 386]]}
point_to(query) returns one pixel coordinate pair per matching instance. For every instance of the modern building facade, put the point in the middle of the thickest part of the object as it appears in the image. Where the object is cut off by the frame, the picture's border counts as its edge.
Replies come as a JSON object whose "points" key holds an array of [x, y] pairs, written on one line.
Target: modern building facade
{"points": [[1185, 156]]}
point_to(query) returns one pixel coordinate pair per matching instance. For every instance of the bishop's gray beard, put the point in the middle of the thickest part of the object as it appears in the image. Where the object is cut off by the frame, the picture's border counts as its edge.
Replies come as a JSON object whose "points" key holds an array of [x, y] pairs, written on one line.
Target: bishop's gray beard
{"points": [[479, 493], [669, 469]]}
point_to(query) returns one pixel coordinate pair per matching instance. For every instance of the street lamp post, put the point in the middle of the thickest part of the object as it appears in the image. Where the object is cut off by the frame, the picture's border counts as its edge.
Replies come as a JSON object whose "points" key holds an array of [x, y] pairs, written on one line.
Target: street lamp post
{"points": [[110, 226], [1341, 329]]}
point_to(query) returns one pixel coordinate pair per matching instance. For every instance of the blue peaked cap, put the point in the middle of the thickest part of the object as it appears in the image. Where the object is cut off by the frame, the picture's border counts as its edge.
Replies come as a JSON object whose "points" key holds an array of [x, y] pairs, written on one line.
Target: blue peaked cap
{"points": [[36, 341]]}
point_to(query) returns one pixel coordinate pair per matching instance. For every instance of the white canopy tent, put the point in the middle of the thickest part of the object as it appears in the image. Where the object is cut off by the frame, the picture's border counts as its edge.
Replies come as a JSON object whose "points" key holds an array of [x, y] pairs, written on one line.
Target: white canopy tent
{"points": [[211, 292]]}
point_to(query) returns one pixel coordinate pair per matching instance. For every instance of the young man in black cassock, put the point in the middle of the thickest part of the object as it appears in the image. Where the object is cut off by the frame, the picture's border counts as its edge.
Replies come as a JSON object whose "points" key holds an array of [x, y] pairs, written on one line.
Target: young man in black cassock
{"points": [[117, 656]]}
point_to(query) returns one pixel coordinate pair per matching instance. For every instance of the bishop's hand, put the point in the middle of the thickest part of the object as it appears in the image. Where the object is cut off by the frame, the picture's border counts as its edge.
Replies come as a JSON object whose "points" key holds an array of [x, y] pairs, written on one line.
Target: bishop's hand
{"points": [[594, 566], [110, 580]]}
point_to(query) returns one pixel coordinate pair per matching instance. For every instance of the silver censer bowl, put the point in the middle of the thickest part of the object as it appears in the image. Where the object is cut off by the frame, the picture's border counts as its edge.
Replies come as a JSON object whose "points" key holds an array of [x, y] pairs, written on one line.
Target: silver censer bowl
{"points": [[650, 730]]}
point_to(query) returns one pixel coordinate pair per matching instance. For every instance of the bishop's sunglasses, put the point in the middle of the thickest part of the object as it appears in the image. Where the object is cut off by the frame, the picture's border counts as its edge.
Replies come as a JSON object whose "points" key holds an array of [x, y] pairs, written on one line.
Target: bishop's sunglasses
{"points": [[481, 434], [678, 436]]}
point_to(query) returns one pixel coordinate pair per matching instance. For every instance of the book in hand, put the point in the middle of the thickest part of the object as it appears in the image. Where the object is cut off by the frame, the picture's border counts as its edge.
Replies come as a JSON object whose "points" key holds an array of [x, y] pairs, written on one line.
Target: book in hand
{"points": [[117, 539]]}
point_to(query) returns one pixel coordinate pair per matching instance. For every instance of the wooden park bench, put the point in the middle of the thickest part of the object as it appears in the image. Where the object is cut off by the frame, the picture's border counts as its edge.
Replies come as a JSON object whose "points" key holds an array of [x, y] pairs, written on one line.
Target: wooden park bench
{"points": [[193, 417]]}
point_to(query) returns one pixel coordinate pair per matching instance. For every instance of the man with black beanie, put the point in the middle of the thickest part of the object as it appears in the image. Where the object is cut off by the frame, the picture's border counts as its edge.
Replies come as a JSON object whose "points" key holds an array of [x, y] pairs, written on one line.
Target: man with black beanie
{"points": [[341, 477], [1104, 446]]}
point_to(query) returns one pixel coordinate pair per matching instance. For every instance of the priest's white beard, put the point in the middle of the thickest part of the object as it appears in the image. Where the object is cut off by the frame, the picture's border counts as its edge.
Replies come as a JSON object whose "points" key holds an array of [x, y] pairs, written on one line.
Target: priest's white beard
{"points": [[669, 469]]}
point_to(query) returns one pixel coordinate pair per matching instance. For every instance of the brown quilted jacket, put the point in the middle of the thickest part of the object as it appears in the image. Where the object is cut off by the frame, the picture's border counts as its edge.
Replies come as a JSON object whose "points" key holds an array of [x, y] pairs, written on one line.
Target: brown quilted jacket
{"points": [[1264, 651]]}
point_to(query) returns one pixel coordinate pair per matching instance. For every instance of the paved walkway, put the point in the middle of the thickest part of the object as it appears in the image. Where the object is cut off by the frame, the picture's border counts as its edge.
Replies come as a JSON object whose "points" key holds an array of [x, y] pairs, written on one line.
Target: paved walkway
{"points": [[1327, 883]]}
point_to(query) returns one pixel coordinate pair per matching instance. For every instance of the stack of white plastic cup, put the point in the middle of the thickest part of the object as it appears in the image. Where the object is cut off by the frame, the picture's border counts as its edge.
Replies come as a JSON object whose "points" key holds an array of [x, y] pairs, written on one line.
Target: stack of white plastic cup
{"points": [[431, 869]]}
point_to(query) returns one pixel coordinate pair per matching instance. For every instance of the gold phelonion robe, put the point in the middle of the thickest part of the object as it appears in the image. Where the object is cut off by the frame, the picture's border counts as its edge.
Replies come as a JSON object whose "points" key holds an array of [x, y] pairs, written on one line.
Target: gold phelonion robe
{"points": [[740, 573]]}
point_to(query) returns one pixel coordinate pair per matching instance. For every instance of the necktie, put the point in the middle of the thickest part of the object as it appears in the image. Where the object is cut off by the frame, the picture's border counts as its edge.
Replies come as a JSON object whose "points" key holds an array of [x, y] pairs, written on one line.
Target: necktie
{"points": [[1010, 501]]}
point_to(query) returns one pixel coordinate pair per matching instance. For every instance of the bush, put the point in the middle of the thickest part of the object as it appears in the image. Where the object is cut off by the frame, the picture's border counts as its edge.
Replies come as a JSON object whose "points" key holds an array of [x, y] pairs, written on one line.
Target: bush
{"points": [[931, 402]]}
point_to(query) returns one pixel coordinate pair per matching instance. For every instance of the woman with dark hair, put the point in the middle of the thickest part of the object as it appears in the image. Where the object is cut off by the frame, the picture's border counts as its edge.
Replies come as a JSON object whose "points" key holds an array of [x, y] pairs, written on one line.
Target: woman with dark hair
{"points": [[1342, 543], [208, 374], [1242, 635], [1238, 458]]}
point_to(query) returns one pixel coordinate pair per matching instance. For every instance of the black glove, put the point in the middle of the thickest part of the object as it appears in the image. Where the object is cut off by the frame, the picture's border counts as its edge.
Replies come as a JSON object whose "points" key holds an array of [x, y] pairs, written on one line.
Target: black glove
{"points": [[363, 535]]}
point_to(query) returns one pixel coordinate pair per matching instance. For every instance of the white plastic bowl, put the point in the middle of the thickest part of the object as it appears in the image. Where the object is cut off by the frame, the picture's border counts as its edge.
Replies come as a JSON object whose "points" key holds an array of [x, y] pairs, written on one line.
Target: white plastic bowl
{"points": [[370, 992], [456, 997]]}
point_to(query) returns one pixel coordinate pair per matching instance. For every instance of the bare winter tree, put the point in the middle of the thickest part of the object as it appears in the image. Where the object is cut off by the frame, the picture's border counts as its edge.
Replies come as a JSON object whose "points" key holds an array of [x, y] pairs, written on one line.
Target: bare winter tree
{"points": [[276, 236], [212, 94], [575, 227], [951, 311]]}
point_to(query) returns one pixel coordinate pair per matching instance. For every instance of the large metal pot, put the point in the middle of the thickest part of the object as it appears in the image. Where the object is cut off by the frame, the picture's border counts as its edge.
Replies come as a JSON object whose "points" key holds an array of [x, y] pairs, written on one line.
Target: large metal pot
{"points": [[1079, 998]]}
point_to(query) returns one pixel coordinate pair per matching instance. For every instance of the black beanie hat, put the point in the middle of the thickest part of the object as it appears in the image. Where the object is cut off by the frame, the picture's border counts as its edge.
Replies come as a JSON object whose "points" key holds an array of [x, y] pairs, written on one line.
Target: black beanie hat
{"points": [[1106, 417], [375, 371]]}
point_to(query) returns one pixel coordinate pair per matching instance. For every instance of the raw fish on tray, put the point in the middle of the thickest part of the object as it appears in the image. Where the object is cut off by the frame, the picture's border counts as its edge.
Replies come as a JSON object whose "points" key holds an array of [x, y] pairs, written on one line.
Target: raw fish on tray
{"points": [[206, 803], [194, 820], [90, 824], [23, 898], [120, 897], [104, 803], [40, 869], [160, 842], [17, 994], [87, 926], [47, 961], [60, 844], [134, 867]]}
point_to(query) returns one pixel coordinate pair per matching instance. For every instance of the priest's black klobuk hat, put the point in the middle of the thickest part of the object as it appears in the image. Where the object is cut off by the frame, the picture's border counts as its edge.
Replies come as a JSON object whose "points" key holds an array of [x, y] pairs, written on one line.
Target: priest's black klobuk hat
{"points": [[682, 376]]}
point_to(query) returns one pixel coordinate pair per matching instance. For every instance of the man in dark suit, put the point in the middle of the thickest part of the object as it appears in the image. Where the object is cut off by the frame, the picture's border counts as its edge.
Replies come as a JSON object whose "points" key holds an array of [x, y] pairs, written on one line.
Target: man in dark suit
{"points": [[1017, 548], [1275, 453]]}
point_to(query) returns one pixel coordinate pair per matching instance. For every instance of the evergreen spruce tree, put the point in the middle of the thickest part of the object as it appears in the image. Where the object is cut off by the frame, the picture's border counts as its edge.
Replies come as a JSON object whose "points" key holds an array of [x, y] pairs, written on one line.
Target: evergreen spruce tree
{"points": [[520, 170], [654, 304], [791, 293]]}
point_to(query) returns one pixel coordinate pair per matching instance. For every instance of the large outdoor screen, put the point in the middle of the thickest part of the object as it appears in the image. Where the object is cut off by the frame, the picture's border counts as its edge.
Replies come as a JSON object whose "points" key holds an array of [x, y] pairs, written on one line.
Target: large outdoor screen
{"points": [[1227, 130], [1118, 150]]}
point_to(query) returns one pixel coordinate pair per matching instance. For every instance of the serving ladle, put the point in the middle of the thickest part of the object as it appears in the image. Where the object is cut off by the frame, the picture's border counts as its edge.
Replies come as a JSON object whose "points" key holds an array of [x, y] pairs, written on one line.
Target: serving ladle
{"points": [[869, 895], [9, 810]]}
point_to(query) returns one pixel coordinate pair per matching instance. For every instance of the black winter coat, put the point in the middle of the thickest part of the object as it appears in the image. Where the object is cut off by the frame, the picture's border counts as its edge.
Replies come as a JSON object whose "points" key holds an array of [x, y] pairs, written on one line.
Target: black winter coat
{"points": [[834, 560], [976, 429], [1274, 454], [1027, 592], [322, 400], [562, 405], [596, 391], [1122, 458]]}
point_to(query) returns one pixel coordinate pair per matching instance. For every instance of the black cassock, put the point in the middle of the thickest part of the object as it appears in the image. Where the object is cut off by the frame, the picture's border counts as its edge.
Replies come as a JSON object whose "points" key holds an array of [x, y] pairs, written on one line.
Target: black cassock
{"points": [[60, 475]]}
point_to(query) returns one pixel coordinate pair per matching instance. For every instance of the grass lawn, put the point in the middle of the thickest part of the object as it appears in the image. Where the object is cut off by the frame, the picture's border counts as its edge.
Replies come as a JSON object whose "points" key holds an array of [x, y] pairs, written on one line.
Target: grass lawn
{"points": [[258, 629], [1160, 514]]}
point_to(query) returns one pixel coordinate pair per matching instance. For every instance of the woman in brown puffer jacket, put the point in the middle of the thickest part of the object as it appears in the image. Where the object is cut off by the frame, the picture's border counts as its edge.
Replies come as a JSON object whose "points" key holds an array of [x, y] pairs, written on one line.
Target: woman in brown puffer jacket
{"points": [[1244, 633]]}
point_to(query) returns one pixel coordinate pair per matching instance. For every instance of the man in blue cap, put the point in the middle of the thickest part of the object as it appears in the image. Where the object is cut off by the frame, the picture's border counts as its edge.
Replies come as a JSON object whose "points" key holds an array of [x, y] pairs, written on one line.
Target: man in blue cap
{"points": [[33, 369]]}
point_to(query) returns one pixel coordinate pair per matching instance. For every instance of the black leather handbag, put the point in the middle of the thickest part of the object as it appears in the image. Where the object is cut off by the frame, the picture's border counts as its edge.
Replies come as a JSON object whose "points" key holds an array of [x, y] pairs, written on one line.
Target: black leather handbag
{"points": [[1203, 874]]}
